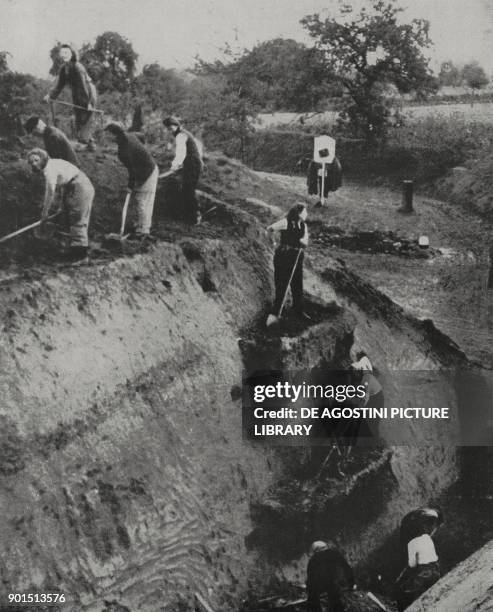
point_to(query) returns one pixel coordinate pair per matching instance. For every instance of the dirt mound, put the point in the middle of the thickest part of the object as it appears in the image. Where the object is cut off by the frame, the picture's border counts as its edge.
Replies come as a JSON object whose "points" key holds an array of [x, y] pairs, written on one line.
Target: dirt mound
{"points": [[466, 588], [368, 242], [22, 194], [470, 186]]}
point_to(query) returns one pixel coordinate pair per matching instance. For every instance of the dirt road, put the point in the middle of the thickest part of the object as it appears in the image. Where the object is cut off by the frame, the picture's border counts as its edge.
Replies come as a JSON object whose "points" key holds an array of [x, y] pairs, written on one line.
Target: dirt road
{"points": [[447, 283]]}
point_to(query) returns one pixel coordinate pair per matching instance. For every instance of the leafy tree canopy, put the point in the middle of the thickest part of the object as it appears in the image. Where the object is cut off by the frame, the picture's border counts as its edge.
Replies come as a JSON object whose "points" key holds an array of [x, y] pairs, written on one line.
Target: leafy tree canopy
{"points": [[369, 50], [111, 61], [474, 76]]}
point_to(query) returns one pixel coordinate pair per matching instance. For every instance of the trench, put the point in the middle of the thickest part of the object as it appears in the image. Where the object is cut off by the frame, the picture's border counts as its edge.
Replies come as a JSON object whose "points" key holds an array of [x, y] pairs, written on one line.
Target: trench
{"points": [[125, 480]]}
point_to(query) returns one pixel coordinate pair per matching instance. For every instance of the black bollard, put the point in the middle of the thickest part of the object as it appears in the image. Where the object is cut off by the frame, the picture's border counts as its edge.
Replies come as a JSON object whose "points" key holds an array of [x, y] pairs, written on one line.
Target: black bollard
{"points": [[407, 197]]}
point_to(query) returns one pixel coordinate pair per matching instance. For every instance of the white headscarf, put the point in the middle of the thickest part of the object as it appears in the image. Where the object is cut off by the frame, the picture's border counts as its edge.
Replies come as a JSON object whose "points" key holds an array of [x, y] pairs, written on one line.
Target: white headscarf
{"points": [[318, 546]]}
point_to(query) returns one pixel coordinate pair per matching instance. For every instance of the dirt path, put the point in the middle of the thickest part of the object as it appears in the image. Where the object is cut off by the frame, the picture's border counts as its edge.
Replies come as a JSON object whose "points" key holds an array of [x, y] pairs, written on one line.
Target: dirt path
{"points": [[447, 284]]}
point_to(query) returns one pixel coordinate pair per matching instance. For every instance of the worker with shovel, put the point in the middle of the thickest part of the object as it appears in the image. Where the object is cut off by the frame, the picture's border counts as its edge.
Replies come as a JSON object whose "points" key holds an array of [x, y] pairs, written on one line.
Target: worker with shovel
{"points": [[57, 145], [142, 178], [328, 573], [78, 195], [186, 167], [288, 261], [73, 74]]}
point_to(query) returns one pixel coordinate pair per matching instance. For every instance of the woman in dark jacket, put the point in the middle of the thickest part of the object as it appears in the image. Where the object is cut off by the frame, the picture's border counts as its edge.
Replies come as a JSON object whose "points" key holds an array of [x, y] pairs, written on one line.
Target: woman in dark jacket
{"points": [[73, 74]]}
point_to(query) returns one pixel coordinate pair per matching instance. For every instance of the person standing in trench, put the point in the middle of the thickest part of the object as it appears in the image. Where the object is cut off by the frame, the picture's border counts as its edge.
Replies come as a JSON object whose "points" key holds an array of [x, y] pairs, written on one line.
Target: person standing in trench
{"points": [[329, 574], [288, 258], [423, 568]]}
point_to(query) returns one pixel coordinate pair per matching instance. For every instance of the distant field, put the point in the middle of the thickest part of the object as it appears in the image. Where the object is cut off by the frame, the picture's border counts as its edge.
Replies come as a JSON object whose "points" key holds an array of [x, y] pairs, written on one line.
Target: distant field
{"points": [[481, 111]]}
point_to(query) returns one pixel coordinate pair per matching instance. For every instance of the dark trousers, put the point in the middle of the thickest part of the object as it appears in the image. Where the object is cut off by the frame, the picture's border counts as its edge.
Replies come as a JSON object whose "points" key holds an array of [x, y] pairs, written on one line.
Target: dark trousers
{"points": [[284, 260], [414, 582], [190, 178], [332, 603]]}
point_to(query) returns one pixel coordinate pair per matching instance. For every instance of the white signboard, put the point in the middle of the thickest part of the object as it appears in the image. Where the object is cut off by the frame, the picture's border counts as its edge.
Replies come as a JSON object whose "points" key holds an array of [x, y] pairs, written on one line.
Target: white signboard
{"points": [[324, 149]]}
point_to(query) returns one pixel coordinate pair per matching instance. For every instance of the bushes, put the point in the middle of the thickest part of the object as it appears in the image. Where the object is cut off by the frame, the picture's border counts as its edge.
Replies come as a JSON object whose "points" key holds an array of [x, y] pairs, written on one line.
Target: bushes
{"points": [[279, 151], [20, 95], [423, 151]]}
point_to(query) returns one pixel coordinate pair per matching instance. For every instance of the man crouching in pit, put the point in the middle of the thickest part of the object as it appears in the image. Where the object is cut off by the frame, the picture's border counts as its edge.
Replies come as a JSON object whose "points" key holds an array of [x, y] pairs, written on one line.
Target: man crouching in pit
{"points": [[78, 195], [329, 574]]}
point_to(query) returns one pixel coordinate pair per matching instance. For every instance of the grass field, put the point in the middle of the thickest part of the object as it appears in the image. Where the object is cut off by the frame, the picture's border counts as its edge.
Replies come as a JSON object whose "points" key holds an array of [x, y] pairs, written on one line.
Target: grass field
{"points": [[479, 112]]}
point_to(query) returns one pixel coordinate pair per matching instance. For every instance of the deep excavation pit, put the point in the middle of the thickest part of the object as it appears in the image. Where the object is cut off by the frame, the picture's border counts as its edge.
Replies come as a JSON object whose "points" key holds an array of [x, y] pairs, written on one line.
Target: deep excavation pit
{"points": [[125, 481]]}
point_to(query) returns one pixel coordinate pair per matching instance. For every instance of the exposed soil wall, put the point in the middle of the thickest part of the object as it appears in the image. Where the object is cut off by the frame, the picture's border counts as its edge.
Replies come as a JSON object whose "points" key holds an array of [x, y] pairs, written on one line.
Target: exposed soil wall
{"points": [[468, 587], [470, 186], [123, 475]]}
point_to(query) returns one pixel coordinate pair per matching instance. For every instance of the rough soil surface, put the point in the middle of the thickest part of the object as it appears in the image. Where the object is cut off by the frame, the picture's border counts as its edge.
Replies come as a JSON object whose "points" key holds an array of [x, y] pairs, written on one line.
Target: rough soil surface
{"points": [[125, 479], [468, 587], [448, 286], [470, 186]]}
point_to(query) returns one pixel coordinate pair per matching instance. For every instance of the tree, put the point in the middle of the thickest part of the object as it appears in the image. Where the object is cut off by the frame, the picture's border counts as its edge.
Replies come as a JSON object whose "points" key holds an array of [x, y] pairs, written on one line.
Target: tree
{"points": [[19, 94], [474, 76], [367, 52], [111, 62], [449, 75], [161, 88], [220, 114], [233, 110], [4, 65], [282, 75]]}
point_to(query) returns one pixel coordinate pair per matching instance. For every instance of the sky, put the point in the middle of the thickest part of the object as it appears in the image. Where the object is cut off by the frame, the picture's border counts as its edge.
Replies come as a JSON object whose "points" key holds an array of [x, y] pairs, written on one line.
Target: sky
{"points": [[173, 32]]}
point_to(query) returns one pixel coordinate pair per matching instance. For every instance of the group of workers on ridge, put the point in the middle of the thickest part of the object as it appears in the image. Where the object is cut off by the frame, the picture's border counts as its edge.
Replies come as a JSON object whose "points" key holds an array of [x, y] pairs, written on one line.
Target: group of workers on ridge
{"points": [[59, 164]]}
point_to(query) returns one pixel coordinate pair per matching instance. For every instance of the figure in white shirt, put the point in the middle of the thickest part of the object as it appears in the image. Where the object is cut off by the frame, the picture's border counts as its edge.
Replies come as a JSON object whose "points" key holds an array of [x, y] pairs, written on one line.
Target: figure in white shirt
{"points": [[423, 570], [288, 259], [187, 166], [78, 195]]}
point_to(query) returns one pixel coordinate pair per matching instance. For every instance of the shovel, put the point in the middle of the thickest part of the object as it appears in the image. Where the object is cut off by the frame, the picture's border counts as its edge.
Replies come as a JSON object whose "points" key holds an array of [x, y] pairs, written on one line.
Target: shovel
{"points": [[271, 319], [120, 236], [166, 174], [53, 114], [27, 228], [93, 110], [377, 601]]}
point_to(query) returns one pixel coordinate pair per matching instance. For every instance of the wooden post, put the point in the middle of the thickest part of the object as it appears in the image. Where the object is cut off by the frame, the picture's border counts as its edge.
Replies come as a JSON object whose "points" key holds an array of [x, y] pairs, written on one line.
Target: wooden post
{"points": [[407, 196], [322, 186]]}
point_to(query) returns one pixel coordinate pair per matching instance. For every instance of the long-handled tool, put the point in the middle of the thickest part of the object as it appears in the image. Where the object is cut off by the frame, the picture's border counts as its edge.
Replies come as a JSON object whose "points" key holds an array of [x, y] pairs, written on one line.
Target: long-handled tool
{"points": [[271, 319], [205, 606], [28, 227], [121, 236], [377, 601], [166, 174], [53, 114], [93, 110]]}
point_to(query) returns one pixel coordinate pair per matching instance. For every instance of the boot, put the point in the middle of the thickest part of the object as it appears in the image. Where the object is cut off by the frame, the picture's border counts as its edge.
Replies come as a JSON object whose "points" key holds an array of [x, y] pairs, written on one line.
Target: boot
{"points": [[75, 254]]}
